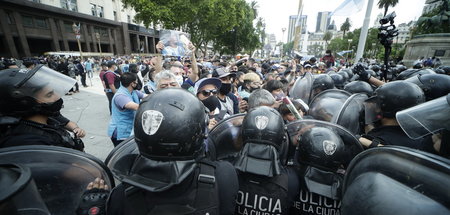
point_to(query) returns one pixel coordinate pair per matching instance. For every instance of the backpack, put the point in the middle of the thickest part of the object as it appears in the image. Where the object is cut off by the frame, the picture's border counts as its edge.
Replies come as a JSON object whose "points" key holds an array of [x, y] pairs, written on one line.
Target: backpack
{"points": [[116, 80], [184, 198]]}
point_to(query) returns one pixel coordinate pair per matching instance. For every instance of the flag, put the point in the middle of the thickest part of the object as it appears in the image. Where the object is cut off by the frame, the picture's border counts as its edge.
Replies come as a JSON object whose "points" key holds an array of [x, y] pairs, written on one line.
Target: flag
{"points": [[342, 53], [348, 7]]}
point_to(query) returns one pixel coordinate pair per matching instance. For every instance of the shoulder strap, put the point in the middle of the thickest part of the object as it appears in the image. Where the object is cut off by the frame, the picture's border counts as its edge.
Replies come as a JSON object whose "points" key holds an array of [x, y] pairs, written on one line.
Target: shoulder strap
{"points": [[206, 184]]}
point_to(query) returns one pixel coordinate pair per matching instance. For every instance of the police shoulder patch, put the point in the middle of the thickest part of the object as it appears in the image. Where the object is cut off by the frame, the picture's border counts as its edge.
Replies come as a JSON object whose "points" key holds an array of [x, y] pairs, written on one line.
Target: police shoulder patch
{"points": [[151, 120]]}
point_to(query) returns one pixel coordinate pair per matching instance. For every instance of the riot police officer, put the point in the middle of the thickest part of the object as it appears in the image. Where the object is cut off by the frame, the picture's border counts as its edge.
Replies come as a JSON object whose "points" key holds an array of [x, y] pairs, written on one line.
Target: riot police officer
{"points": [[324, 151], [170, 174], [265, 185], [30, 108], [381, 108]]}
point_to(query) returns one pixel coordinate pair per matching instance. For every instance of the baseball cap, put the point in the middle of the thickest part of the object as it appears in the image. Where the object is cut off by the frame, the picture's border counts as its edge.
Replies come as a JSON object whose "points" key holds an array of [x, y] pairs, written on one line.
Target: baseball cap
{"points": [[205, 81], [222, 72], [111, 63]]}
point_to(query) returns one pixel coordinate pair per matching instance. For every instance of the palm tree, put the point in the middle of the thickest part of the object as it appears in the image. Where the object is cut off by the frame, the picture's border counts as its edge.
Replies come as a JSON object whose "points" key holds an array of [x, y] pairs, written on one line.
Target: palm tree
{"points": [[386, 4], [327, 36], [346, 26]]}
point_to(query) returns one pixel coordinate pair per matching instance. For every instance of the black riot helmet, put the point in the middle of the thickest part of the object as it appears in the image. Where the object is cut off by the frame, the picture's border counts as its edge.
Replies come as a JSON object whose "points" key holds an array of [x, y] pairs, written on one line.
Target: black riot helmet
{"points": [[24, 92], [263, 125], [170, 124], [359, 87], [396, 96], [321, 83], [375, 68], [433, 85], [320, 146], [338, 80], [349, 73], [345, 75], [413, 72]]}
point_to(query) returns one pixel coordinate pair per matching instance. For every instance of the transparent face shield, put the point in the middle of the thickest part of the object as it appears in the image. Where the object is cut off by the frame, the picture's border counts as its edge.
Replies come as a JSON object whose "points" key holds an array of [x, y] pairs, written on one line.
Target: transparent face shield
{"points": [[44, 84], [426, 118], [302, 88], [372, 111]]}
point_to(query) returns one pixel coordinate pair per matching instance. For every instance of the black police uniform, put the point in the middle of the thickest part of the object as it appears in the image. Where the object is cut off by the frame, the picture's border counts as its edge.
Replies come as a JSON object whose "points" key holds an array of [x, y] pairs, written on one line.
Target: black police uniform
{"points": [[309, 203], [266, 195], [196, 193], [394, 135], [25, 132]]}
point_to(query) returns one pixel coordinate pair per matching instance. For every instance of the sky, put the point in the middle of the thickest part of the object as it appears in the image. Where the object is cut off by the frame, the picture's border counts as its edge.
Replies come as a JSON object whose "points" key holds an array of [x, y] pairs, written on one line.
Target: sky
{"points": [[276, 13]]}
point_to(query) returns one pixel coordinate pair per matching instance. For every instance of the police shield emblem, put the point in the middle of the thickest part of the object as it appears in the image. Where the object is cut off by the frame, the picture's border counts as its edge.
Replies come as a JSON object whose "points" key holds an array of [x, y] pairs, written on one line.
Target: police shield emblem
{"points": [[261, 122], [151, 120], [329, 147]]}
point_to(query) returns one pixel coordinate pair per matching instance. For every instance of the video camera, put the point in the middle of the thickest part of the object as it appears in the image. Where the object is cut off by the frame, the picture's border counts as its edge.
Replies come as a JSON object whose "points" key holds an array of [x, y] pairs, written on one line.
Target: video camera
{"points": [[388, 18]]}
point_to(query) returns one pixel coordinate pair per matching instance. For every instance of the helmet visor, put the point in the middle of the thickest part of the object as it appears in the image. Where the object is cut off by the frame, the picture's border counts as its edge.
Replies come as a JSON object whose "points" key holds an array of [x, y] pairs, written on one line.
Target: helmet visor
{"points": [[44, 84], [372, 111], [302, 88], [426, 118]]}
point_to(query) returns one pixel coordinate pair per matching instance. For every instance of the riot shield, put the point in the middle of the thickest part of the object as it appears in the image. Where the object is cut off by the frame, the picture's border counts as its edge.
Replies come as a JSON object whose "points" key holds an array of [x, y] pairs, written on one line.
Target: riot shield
{"points": [[126, 147], [327, 104], [302, 88], [61, 174], [396, 180], [429, 117], [351, 115], [225, 139], [297, 128], [413, 72]]}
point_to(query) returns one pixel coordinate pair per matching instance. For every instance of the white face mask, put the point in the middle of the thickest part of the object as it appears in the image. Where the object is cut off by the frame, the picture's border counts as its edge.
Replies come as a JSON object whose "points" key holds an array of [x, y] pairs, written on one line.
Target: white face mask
{"points": [[179, 79]]}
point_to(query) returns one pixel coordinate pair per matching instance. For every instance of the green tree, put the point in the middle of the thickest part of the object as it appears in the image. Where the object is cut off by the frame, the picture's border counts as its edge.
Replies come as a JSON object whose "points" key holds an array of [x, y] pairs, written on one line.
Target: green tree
{"points": [[346, 26], [204, 20], [386, 4], [327, 36], [287, 47], [315, 49]]}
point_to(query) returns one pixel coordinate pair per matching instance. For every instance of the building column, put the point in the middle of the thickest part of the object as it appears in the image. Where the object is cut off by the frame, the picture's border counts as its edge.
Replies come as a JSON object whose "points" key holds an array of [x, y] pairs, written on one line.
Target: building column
{"points": [[22, 36], [138, 40], [63, 34], [87, 39], [146, 44], [54, 33], [153, 47], [94, 38], [111, 42], [7, 33], [126, 39]]}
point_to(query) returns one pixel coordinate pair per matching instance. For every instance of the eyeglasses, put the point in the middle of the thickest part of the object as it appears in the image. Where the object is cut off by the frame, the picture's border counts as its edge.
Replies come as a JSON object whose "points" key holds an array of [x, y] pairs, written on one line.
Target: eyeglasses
{"points": [[207, 93]]}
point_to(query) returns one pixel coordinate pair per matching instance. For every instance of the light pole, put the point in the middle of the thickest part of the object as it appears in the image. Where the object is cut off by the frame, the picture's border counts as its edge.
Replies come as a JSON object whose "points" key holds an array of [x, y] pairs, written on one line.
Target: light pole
{"points": [[282, 39], [349, 41], [97, 35], [374, 50], [76, 30]]}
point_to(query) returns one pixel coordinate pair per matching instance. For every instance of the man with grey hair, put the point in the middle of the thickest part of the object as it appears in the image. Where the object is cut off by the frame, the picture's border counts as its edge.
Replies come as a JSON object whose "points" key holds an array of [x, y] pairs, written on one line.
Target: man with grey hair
{"points": [[166, 79], [261, 97]]}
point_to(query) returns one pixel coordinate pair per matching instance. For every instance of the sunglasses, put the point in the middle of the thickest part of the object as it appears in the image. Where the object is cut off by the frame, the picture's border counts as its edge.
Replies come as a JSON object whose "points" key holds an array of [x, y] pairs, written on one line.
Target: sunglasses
{"points": [[208, 92]]}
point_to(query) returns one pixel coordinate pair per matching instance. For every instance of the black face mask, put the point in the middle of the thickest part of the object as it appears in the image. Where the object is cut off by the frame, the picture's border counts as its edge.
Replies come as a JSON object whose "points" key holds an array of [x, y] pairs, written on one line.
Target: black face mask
{"points": [[211, 103], [225, 88], [50, 109]]}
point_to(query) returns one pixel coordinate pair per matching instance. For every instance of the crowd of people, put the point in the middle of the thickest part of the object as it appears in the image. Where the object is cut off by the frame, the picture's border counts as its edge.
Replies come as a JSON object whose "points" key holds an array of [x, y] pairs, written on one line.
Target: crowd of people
{"points": [[220, 135]]}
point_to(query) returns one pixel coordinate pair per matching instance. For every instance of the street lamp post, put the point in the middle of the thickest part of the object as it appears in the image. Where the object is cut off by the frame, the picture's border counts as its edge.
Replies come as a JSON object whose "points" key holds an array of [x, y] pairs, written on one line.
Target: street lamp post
{"points": [[349, 41], [97, 35], [76, 30], [282, 39]]}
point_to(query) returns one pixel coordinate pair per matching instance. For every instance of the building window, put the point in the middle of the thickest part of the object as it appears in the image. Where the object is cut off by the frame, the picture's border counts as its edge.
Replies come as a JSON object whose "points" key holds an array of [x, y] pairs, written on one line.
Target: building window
{"points": [[27, 21], [129, 18], [68, 27], [115, 15], [40, 22], [100, 11], [9, 17], [93, 10], [69, 5]]}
